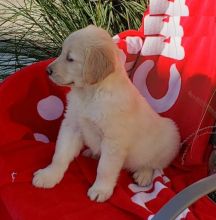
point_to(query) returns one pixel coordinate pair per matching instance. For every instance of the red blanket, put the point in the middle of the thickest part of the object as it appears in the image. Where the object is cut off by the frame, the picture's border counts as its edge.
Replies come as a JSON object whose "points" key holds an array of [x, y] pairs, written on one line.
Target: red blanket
{"points": [[173, 65]]}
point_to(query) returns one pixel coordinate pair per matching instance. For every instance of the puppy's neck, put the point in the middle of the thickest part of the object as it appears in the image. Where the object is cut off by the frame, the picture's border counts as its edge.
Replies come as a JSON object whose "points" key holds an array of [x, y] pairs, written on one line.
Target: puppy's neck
{"points": [[86, 91], [110, 83]]}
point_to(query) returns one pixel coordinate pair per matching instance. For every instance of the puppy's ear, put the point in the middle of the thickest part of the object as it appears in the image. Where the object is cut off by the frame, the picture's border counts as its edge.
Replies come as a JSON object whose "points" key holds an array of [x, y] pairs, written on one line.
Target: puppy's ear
{"points": [[99, 63]]}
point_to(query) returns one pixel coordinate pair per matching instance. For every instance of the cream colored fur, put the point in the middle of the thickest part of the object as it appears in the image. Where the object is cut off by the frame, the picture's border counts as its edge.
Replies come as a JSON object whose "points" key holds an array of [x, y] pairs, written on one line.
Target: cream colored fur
{"points": [[107, 113]]}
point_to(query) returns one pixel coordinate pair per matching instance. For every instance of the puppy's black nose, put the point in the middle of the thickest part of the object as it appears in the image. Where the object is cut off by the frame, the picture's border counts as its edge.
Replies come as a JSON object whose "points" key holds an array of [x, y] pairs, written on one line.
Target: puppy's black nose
{"points": [[49, 70]]}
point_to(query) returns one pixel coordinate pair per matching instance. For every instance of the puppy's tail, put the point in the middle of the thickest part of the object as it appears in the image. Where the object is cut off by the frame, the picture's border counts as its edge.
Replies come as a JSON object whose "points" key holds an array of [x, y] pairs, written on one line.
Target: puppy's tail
{"points": [[170, 142]]}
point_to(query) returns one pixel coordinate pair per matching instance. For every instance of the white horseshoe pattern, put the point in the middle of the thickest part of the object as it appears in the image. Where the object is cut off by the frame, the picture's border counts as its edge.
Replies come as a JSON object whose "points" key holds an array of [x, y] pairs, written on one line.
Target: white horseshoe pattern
{"points": [[165, 103]]}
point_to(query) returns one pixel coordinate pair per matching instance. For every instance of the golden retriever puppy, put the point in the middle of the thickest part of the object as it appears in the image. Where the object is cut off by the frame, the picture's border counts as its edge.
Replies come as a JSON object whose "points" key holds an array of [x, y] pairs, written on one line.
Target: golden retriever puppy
{"points": [[107, 113]]}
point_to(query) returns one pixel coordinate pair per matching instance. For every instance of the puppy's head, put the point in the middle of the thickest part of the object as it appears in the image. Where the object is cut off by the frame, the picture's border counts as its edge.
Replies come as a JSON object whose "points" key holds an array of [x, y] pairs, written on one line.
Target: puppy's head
{"points": [[88, 56]]}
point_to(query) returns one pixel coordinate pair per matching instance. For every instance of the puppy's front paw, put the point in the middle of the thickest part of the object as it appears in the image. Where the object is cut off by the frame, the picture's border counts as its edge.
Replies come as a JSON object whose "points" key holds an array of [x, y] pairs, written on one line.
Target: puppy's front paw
{"points": [[143, 177], [47, 177], [100, 193]]}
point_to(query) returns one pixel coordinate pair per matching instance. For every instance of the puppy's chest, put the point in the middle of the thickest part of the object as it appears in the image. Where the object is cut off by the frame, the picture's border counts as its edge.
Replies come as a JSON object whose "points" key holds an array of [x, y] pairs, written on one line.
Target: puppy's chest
{"points": [[88, 115], [89, 122], [88, 111]]}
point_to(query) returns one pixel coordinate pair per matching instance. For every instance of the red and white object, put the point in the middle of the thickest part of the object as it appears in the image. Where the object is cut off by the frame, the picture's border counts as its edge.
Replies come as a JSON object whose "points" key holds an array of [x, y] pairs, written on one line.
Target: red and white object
{"points": [[171, 60]]}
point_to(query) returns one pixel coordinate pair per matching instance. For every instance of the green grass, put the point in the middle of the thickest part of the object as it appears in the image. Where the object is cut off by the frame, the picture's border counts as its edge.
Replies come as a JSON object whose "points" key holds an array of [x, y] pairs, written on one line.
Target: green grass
{"points": [[35, 30]]}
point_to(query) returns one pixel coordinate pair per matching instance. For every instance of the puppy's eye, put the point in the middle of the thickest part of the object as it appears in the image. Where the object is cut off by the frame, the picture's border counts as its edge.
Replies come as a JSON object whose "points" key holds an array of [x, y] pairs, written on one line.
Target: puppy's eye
{"points": [[69, 58]]}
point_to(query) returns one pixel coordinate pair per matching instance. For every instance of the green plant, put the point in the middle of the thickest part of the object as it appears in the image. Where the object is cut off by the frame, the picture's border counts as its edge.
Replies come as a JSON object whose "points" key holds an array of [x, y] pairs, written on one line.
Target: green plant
{"points": [[35, 30]]}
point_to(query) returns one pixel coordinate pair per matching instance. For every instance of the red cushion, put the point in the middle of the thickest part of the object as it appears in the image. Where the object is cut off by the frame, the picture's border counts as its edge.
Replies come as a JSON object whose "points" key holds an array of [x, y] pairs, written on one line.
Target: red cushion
{"points": [[171, 60]]}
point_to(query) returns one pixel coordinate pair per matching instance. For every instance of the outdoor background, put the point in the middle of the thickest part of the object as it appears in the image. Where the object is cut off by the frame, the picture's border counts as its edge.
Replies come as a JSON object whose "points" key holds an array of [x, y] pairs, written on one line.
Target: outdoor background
{"points": [[33, 30]]}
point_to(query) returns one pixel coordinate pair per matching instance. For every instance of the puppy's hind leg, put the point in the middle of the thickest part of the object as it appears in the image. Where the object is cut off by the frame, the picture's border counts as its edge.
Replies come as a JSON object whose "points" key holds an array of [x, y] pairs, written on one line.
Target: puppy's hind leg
{"points": [[143, 176], [68, 146]]}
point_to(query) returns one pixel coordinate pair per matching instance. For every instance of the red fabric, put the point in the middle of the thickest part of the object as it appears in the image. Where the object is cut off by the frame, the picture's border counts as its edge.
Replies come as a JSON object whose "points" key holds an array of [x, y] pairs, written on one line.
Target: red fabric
{"points": [[32, 107], [182, 45]]}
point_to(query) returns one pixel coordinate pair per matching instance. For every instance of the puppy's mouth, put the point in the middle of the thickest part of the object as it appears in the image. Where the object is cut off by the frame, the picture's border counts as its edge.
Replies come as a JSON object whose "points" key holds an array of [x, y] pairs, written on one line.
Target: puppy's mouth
{"points": [[60, 83], [69, 84]]}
